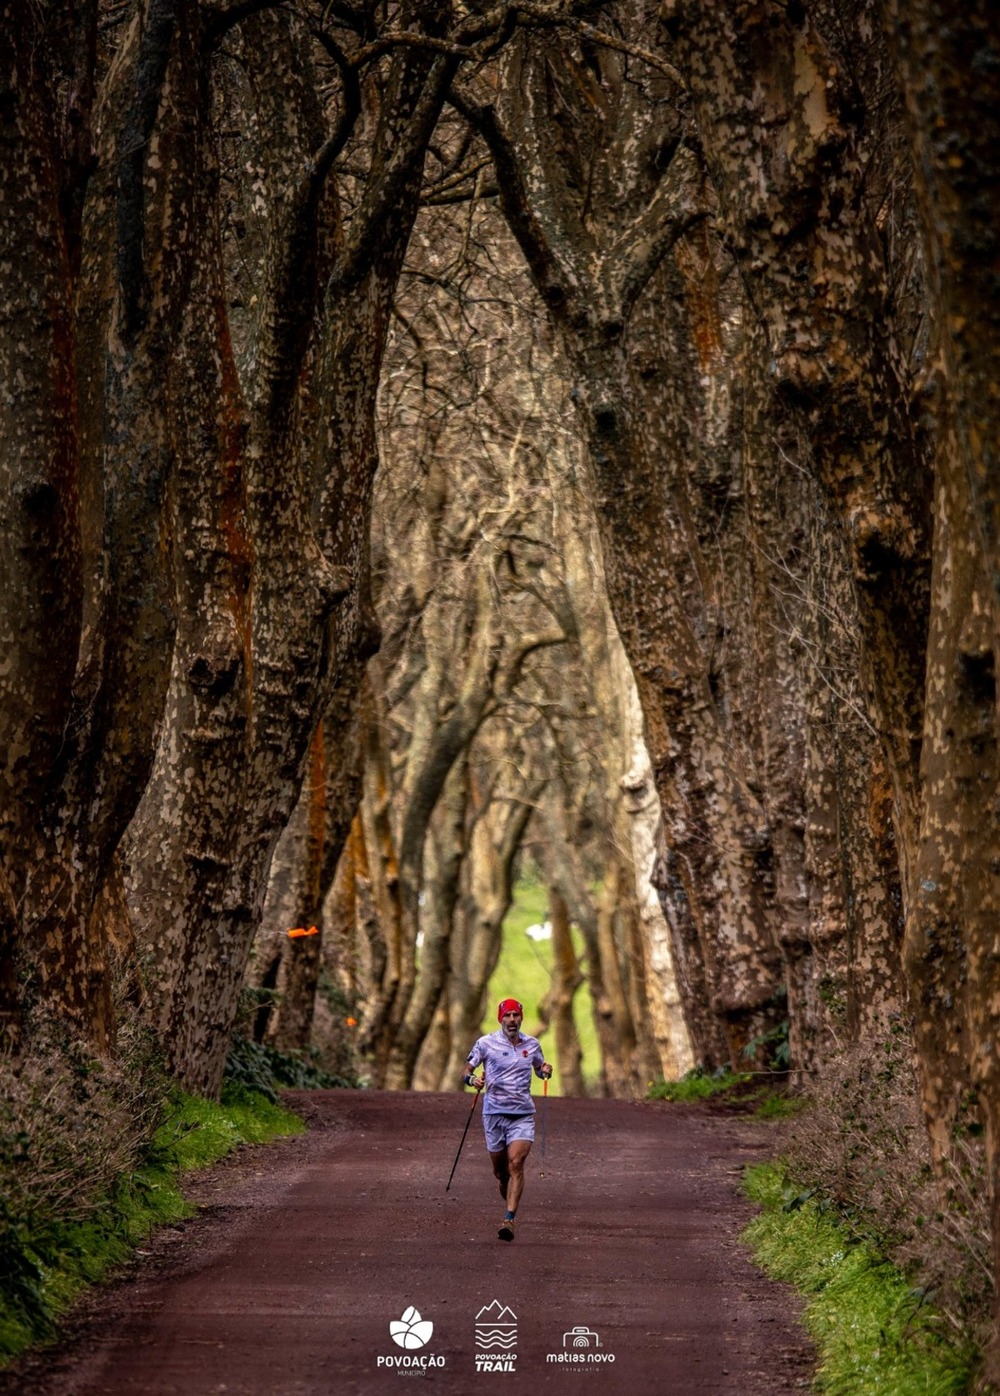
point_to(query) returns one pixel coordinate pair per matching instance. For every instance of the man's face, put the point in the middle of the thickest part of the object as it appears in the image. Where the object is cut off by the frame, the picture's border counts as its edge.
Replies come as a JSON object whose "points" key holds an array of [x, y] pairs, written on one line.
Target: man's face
{"points": [[511, 1023]]}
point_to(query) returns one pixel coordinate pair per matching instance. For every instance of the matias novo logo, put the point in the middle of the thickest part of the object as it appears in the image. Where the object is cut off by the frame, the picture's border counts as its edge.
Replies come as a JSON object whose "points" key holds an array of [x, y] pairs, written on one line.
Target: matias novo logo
{"points": [[581, 1345]]}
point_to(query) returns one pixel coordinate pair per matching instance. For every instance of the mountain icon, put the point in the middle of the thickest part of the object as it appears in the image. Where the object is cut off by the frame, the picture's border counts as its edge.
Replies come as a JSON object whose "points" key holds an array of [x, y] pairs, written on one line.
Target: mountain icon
{"points": [[495, 1313]]}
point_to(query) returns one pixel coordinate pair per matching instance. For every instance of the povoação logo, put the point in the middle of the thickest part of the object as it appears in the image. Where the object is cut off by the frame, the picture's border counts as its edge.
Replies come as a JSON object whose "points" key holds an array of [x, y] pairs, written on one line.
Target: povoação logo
{"points": [[410, 1332]]}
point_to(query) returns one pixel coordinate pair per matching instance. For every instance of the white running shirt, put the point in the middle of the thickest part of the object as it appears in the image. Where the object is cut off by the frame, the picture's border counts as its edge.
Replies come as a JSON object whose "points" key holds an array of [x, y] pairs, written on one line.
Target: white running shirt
{"points": [[508, 1072]]}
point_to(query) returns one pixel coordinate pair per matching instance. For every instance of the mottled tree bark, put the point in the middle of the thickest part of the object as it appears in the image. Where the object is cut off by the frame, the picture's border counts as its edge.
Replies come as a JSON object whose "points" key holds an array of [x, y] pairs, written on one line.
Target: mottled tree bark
{"points": [[102, 270], [632, 819], [777, 534], [540, 142], [709, 1045], [430, 1072], [305, 864], [444, 848], [782, 129], [851, 857], [379, 869], [566, 979], [950, 951], [41, 584], [948, 61], [617, 1007], [334, 1025], [342, 914], [663, 996], [267, 563]]}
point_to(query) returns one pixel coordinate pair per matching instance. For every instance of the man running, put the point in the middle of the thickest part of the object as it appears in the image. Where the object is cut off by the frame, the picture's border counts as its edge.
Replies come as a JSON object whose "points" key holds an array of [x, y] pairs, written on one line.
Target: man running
{"points": [[508, 1057]]}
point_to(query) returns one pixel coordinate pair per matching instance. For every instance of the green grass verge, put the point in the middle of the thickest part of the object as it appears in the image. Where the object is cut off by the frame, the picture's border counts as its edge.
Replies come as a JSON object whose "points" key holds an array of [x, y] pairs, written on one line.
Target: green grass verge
{"points": [[696, 1085], [874, 1332], [524, 971], [197, 1132], [775, 1105], [45, 1262]]}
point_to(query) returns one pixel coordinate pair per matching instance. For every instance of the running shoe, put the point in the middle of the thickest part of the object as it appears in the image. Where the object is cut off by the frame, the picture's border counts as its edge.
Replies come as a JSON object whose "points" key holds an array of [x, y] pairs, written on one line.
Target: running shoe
{"points": [[506, 1232]]}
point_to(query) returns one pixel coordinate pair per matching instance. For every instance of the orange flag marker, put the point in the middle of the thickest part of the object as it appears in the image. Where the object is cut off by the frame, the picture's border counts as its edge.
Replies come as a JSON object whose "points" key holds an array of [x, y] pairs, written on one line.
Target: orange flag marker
{"points": [[297, 931]]}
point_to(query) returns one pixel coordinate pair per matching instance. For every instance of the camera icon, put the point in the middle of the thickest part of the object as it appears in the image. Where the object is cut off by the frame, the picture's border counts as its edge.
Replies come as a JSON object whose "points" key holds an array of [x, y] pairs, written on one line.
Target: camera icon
{"points": [[581, 1338]]}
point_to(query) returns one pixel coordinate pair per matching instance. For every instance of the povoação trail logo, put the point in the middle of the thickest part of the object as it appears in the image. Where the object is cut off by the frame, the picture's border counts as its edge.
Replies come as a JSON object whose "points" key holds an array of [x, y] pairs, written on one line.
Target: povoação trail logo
{"points": [[496, 1338]]}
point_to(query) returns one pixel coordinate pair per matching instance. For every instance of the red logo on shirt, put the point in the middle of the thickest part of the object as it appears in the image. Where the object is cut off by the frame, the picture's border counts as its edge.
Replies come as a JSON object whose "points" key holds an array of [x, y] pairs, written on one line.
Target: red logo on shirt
{"points": [[524, 1054]]}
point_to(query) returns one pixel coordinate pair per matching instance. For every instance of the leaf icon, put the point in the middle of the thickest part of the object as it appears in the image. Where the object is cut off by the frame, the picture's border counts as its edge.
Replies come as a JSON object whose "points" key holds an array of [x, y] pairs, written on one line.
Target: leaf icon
{"points": [[411, 1331]]}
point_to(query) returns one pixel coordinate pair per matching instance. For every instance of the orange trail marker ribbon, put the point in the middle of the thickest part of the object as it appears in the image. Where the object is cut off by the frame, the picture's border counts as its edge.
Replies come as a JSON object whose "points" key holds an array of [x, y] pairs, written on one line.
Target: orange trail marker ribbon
{"points": [[297, 931]]}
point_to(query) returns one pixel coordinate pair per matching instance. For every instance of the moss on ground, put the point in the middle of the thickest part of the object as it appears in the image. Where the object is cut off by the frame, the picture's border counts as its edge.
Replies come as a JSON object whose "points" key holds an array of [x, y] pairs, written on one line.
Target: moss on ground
{"points": [[874, 1332], [46, 1262]]}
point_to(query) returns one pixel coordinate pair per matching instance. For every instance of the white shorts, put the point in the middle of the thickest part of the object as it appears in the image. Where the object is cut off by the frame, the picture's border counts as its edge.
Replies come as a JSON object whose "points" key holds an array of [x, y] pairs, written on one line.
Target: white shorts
{"points": [[502, 1130]]}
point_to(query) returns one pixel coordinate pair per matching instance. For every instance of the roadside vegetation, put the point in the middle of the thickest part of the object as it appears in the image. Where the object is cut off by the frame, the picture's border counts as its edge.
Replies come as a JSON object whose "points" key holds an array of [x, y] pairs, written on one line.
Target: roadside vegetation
{"points": [[893, 1261], [265, 1069], [875, 1331], [698, 1084], [765, 1095], [92, 1156], [861, 1144]]}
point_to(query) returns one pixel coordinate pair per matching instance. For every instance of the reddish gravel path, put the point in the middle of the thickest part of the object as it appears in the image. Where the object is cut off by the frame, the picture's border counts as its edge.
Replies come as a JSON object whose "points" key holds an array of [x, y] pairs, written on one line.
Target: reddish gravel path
{"points": [[285, 1285]]}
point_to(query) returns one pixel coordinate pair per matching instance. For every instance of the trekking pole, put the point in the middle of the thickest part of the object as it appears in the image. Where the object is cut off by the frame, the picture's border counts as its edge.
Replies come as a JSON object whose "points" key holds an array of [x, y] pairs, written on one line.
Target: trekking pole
{"points": [[464, 1133], [545, 1114]]}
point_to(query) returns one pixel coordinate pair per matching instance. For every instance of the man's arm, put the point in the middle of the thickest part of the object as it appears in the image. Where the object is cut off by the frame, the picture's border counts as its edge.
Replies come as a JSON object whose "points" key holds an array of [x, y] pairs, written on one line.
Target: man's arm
{"points": [[543, 1069], [473, 1059]]}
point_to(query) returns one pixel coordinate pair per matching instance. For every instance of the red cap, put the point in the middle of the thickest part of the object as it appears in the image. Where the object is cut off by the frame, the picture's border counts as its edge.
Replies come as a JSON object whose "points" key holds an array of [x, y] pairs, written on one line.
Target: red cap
{"points": [[509, 1006]]}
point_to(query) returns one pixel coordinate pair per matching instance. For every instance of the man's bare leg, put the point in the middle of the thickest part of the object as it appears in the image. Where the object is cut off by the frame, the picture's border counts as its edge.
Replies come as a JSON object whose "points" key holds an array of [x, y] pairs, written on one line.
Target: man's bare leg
{"points": [[517, 1151], [502, 1170]]}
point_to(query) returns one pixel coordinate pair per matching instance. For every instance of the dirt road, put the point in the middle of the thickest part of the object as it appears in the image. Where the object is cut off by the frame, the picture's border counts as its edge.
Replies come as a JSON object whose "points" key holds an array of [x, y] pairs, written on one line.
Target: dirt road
{"points": [[305, 1251]]}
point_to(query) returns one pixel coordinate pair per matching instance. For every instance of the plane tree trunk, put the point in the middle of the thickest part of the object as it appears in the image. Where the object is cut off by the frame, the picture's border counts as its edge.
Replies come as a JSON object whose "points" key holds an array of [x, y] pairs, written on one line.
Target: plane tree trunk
{"points": [[631, 821], [948, 61], [380, 916], [590, 281], [784, 136], [272, 548], [793, 152], [566, 979], [305, 865], [444, 849], [950, 951], [96, 276]]}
